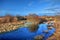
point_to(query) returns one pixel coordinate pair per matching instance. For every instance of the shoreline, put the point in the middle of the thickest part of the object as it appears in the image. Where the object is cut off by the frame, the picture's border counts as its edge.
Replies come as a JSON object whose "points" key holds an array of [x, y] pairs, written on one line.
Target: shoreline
{"points": [[8, 27]]}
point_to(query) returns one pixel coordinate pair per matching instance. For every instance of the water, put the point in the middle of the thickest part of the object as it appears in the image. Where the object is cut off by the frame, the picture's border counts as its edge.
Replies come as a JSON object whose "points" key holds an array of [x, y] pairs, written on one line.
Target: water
{"points": [[19, 34], [25, 34]]}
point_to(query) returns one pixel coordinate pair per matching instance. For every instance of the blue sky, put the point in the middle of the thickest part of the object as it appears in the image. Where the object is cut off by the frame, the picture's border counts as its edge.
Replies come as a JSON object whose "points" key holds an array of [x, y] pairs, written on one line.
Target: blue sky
{"points": [[25, 7]]}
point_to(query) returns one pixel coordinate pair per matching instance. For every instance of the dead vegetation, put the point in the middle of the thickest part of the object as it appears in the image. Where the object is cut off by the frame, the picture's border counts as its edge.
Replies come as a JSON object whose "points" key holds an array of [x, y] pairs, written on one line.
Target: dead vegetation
{"points": [[56, 35], [8, 23]]}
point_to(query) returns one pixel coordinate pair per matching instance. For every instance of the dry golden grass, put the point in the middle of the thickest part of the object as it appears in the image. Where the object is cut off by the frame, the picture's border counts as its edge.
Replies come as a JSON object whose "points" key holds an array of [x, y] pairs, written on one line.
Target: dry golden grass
{"points": [[7, 27], [56, 35], [4, 27]]}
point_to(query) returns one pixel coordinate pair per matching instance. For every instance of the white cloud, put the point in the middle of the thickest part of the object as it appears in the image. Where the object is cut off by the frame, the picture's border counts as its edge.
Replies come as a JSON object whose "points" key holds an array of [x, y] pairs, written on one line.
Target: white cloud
{"points": [[55, 8], [30, 3], [46, 11]]}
